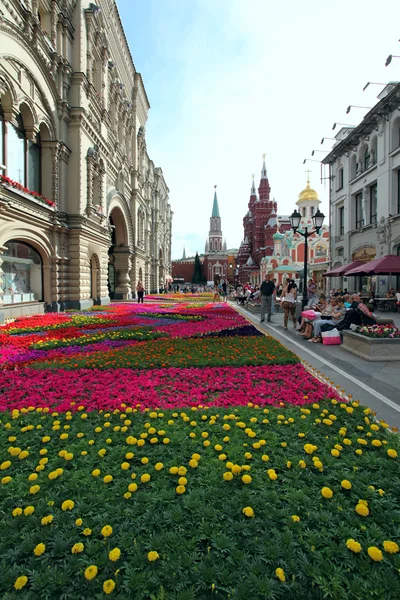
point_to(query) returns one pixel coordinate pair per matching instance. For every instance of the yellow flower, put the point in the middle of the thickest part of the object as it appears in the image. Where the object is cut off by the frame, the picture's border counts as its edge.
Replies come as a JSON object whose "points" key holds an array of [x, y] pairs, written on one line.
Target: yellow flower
{"points": [[46, 520], [302, 464], [5, 465], [346, 485], [159, 466], [108, 586], [20, 582], [132, 487], [376, 443], [144, 460], [390, 547], [23, 454], [326, 492], [87, 531], [182, 481], [29, 510], [182, 470], [40, 548], [180, 489], [145, 478], [78, 522], [375, 553], [362, 510], [196, 456], [114, 554], [6, 480], [173, 470], [67, 505], [152, 556], [16, 512], [236, 469], [295, 518], [34, 489], [106, 531], [228, 476], [272, 474], [193, 463], [280, 573], [91, 572], [246, 479], [77, 548], [310, 448], [353, 545], [248, 511], [125, 466], [107, 478], [392, 453], [96, 472]]}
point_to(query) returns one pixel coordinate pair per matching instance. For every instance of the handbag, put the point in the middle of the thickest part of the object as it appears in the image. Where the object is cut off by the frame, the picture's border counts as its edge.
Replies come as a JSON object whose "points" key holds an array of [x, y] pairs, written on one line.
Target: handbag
{"points": [[331, 338], [309, 314]]}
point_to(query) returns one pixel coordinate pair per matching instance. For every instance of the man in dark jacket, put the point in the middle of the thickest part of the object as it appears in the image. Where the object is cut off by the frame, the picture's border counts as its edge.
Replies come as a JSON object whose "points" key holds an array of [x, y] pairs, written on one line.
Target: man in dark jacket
{"points": [[267, 289]]}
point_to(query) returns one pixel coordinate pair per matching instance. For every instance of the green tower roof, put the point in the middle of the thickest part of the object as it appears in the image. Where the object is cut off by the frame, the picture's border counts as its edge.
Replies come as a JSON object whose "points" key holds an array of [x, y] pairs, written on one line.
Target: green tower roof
{"points": [[215, 210]]}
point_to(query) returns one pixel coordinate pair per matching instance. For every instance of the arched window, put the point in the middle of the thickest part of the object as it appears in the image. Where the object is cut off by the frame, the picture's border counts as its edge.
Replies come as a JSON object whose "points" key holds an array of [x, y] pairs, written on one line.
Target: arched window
{"points": [[21, 277], [21, 160]]}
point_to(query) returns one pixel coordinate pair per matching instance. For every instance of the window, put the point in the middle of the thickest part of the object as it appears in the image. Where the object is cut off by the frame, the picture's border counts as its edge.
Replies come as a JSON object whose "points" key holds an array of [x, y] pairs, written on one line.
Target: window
{"points": [[23, 156], [340, 179], [341, 220], [20, 274], [367, 157], [373, 194], [312, 210], [339, 251], [359, 211]]}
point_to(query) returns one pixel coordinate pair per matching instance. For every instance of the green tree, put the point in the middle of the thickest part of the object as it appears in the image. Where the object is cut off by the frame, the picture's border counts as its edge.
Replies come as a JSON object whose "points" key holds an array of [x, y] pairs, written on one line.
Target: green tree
{"points": [[198, 271]]}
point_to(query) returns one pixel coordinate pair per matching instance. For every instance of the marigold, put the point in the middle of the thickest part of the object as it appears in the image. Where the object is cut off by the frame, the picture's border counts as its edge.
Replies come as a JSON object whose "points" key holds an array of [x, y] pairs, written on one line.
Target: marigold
{"points": [[376, 443], [353, 545], [34, 489], [91, 572], [228, 476], [47, 519], [280, 573], [392, 453], [272, 474], [125, 466], [108, 586], [346, 485], [108, 478], [390, 547], [29, 510], [39, 549], [159, 466], [6, 480], [375, 553], [114, 554], [246, 479], [152, 556], [362, 510], [295, 518], [193, 463], [106, 531], [248, 511], [145, 478], [180, 489], [77, 548], [67, 505], [20, 582], [87, 531], [326, 492]]}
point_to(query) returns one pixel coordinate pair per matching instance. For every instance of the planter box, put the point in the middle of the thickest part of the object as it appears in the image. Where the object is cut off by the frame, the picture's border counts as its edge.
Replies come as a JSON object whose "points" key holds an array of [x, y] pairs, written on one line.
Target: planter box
{"points": [[373, 349]]}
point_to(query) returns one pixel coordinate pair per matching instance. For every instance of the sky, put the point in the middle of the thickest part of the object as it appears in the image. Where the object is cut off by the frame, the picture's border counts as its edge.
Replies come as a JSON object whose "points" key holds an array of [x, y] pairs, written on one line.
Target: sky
{"points": [[229, 80]]}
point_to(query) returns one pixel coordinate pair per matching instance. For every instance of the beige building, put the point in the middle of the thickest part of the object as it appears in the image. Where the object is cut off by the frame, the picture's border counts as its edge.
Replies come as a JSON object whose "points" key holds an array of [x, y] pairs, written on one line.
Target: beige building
{"points": [[84, 212]]}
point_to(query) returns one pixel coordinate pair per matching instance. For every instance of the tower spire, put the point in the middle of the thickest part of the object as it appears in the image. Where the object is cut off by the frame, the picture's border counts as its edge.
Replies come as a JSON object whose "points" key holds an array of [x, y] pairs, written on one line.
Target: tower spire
{"points": [[215, 210], [253, 188], [264, 168], [184, 253]]}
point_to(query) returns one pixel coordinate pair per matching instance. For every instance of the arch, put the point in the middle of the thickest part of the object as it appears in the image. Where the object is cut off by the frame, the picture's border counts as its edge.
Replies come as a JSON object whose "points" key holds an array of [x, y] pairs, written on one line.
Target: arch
{"points": [[117, 220], [39, 242], [116, 201]]}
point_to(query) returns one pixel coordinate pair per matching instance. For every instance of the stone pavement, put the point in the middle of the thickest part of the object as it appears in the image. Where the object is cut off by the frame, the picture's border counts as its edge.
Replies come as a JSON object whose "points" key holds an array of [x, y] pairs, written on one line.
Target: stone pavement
{"points": [[375, 384]]}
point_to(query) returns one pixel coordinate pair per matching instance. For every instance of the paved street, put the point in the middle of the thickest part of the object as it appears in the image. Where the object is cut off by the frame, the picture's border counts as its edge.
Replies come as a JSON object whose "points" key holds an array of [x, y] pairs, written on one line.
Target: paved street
{"points": [[376, 384]]}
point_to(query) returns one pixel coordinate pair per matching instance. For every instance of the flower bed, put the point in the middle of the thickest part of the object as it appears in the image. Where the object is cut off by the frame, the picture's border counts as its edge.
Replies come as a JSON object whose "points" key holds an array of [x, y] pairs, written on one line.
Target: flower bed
{"points": [[207, 463], [379, 331]]}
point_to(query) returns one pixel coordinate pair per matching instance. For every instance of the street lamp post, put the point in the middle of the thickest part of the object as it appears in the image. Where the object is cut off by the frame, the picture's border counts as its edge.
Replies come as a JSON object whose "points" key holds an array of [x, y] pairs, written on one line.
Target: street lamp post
{"points": [[295, 220]]}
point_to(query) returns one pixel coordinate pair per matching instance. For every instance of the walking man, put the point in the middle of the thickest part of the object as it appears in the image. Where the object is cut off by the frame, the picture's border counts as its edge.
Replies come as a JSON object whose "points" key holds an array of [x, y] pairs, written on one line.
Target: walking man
{"points": [[267, 289]]}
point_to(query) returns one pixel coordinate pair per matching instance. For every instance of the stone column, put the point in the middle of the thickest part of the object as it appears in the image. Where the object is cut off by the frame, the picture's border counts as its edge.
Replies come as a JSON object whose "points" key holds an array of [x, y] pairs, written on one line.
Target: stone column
{"points": [[122, 266]]}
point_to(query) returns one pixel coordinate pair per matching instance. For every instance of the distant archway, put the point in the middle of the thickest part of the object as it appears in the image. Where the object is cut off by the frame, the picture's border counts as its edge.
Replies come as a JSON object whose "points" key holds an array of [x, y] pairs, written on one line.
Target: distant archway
{"points": [[94, 278]]}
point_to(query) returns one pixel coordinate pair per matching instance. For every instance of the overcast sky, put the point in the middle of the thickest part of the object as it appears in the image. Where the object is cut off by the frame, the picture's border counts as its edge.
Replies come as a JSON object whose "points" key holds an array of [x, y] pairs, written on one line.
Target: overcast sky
{"points": [[229, 80]]}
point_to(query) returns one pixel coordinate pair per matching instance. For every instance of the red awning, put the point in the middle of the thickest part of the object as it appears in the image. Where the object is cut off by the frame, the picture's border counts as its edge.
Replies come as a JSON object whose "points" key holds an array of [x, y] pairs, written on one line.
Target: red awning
{"points": [[385, 265], [339, 271]]}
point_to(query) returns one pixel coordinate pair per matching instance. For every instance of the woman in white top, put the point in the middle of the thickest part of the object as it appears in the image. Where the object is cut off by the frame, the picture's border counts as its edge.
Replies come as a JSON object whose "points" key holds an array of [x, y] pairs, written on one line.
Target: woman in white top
{"points": [[289, 296]]}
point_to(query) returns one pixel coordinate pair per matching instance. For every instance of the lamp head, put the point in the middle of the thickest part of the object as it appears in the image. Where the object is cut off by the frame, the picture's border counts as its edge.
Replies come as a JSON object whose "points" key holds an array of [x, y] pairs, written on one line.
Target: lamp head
{"points": [[318, 220], [295, 219]]}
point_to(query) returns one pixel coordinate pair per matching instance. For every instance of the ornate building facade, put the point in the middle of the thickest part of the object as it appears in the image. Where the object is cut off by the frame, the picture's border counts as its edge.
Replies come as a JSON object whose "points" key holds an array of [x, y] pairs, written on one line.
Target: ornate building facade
{"points": [[84, 211], [259, 226], [287, 259]]}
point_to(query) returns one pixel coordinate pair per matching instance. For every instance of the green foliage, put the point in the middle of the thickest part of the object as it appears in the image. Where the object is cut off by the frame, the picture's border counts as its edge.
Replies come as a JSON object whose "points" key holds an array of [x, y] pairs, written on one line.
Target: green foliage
{"points": [[198, 276]]}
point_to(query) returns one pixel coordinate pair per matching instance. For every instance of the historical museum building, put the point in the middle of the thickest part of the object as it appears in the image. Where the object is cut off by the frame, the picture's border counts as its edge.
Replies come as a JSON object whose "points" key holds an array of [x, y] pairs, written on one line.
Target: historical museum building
{"points": [[364, 175], [287, 259], [217, 262], [259, 225], [84, 212]]}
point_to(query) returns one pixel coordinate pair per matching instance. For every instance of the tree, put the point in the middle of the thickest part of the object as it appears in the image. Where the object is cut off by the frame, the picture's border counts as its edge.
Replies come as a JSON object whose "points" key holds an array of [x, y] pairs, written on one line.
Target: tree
{"points": [[198, 271]]}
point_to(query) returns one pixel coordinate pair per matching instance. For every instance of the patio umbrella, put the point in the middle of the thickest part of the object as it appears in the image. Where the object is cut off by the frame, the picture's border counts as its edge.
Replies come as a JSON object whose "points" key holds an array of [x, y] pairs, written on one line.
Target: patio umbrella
{"points": [[343, 270], [385, 265]]}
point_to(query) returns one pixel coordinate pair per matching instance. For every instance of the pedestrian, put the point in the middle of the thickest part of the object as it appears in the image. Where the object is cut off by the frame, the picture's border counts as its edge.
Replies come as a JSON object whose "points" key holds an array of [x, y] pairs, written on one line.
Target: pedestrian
{"points": [[274, 297], [289, 296], [216, 297], [140, 291], [267, 288], [224, 290]]}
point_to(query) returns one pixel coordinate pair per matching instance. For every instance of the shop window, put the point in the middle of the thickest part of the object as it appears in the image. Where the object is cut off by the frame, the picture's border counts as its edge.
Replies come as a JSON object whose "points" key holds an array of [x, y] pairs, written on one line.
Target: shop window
{"points": [[359, 211], [20, 274], [16, 151]]}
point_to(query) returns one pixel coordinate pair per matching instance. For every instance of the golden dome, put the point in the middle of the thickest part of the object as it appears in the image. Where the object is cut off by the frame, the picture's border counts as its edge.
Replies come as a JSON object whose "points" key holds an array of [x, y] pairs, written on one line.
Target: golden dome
{"points": [[308, 194]]}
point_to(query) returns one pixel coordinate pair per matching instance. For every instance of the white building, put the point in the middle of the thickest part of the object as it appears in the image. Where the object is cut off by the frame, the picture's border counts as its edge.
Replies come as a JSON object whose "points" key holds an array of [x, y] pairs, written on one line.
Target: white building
{"points": [[84, 212], [364, 171]]}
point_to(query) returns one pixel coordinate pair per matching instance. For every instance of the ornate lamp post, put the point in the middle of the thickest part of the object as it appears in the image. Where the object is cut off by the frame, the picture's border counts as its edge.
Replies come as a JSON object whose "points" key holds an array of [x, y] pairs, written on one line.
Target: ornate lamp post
{"points": [[295, 220]]}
